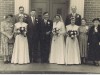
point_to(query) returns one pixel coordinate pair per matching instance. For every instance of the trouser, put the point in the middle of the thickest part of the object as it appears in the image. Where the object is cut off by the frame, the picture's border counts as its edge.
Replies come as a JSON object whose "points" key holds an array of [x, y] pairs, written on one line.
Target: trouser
{"points": [[45, 50]]}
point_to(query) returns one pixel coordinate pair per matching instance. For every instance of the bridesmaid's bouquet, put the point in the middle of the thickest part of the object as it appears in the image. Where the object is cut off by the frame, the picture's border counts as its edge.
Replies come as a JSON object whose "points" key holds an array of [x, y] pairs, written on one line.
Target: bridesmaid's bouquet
{"points": [[56, 31], [72, 33], [22, 31]]}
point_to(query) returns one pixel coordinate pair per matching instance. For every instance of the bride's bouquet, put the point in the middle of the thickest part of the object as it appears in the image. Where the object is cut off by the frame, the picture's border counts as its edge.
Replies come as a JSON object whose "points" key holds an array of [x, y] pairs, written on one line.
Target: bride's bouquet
{"points": [[56, 31], [22, 31], [72, 33]]}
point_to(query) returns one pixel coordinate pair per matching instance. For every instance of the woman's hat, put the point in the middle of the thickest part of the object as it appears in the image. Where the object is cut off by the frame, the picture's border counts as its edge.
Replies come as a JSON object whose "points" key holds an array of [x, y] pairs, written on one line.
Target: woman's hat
{"points": [[96, 19]]}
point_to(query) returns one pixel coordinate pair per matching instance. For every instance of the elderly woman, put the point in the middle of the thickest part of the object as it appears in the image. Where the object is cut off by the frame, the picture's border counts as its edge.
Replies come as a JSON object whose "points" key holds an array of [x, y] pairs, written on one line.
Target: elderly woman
{"points": [[6, 35], [94, 42]]}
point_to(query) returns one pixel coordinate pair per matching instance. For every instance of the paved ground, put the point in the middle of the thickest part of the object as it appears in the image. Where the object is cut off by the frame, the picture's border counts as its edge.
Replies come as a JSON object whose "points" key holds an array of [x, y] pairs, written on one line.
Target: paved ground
{"points": [[48, 68]]}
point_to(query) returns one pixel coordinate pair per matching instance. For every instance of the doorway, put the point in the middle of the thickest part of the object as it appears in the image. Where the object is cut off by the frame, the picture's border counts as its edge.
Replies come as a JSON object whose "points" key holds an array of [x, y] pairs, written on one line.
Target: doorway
{"points": [[52, 6]]}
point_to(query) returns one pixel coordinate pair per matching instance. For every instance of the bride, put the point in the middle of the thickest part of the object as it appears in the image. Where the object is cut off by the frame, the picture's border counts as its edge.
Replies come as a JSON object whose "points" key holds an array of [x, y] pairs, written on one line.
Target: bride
{"points": [[20, 52], [57, 45]]}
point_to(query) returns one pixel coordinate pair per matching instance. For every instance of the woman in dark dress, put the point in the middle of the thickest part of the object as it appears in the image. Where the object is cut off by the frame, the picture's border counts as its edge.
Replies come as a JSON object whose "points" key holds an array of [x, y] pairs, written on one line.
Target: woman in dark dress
{"points": [[94, 42]]}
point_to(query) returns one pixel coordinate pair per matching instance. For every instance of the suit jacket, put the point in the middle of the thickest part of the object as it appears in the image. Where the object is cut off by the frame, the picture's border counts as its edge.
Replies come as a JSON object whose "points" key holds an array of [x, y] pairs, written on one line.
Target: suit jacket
{"points": [[46, 28], [25, 17], [92, 33], [33, 28], [77, 19]]}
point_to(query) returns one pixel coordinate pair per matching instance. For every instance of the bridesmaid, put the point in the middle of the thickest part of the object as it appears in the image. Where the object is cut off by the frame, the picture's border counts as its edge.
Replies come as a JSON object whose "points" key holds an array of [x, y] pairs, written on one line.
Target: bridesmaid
{"points": [[20, 51], [72, 52], [6, 35], [94, 42], [57, 45], [83, 37]]}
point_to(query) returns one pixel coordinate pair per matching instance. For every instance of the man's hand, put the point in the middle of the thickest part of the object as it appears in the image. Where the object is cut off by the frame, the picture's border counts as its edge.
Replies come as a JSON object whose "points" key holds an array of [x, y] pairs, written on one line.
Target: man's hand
{"points": [[47, 33]]}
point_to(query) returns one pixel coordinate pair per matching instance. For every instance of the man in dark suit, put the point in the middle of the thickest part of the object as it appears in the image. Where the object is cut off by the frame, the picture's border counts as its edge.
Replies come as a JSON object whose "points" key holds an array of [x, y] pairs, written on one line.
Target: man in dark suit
{"points": [[33, 36], [21, 13], [74, 15], [45, 37]]}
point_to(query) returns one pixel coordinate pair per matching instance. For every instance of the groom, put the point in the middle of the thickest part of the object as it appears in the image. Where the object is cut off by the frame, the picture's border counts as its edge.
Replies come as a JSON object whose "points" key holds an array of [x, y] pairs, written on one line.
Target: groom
{"points": [[45, 37], [33, 36]]}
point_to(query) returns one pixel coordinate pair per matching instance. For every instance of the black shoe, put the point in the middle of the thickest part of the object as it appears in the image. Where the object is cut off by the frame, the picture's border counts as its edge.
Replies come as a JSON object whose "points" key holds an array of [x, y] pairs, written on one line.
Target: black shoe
{"points": [[34, 61], [9, 61]]}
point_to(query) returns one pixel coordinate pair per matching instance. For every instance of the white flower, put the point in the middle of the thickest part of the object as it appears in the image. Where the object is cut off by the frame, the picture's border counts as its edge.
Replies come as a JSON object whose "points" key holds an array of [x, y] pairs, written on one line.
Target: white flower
{"points": [[48, 22], [22, 28], [36, 19], [77, 16], [72, 36], [71, 32], [25, 15]]}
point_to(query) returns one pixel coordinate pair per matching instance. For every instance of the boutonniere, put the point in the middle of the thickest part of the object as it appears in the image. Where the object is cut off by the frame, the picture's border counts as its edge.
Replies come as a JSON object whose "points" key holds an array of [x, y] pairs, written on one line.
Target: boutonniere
{"points": [[25, 15], [77, 16], [48, 22], [36, 20]]}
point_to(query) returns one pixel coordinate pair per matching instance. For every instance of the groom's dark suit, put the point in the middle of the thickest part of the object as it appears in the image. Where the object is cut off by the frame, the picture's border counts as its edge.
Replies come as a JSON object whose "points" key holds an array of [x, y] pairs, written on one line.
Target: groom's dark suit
{"points": [[45, 39], [33, 38]]}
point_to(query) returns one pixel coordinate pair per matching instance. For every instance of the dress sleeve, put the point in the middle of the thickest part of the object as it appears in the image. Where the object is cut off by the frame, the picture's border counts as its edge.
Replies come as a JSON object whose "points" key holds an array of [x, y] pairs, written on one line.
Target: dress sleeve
{"points": [[15, 29]]}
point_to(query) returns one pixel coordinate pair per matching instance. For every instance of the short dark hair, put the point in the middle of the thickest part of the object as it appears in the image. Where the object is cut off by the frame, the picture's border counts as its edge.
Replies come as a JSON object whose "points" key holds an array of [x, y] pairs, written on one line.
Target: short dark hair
{"points": [[45, 13], [72, 18], [33, 10], [21, 7], [9, 15]]}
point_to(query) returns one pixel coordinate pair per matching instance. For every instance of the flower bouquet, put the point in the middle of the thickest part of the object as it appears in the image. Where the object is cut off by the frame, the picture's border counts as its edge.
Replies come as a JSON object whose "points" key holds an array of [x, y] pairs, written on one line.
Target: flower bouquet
{"points": [[56, 31], [72, 33], [23, 31]]}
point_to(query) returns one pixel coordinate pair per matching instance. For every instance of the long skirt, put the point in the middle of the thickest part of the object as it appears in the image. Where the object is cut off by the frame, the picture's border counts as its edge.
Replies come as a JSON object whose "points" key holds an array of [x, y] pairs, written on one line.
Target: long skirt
{"points": [[57, 50], [20, 52], [72, 55]]}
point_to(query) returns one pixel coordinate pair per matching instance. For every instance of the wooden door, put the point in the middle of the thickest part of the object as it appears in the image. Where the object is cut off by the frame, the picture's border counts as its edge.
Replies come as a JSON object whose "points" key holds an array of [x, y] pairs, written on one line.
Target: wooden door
{"points": [[40, 6], [52, 6], [59, 7]]}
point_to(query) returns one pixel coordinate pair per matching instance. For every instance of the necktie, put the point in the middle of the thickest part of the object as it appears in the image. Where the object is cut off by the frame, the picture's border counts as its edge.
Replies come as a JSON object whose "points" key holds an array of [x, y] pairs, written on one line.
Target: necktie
{"points": [[33, 20], [45, 21]]}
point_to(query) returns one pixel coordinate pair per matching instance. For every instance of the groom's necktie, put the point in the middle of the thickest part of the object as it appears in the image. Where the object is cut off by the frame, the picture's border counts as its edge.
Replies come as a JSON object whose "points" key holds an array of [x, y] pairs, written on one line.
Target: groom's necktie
{"points": [[33, 18], [45, 21]]}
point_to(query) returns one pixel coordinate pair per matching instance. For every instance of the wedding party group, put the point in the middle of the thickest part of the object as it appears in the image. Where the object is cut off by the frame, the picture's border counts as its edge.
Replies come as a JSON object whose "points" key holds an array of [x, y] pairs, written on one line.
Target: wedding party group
{"points": [[68, 42]]}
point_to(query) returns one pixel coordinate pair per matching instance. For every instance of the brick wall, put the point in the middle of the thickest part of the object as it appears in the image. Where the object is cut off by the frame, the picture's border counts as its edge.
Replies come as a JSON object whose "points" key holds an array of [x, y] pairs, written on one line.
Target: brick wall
{"points": [[6, 6], [92, 10]]}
